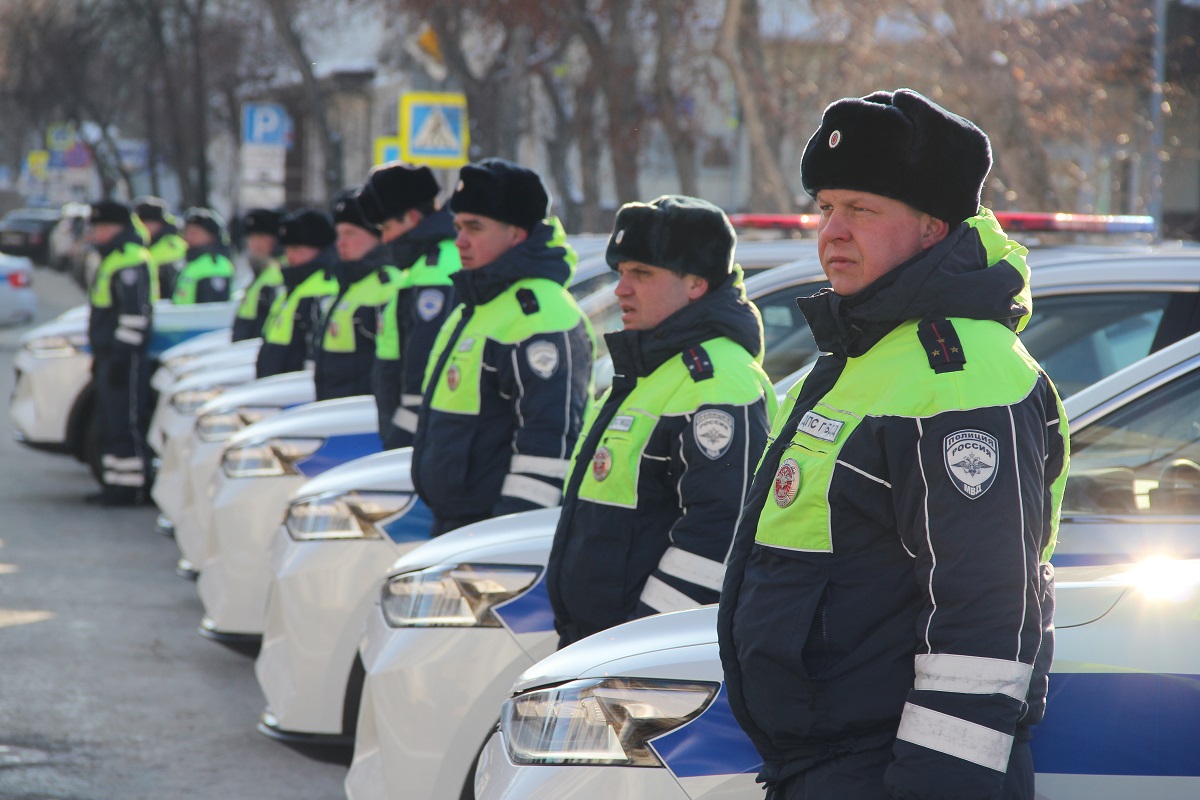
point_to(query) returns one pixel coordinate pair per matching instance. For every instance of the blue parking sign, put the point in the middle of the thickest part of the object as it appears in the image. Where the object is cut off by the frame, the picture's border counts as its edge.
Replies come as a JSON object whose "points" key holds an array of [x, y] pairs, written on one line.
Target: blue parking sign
{"points": [[265, 123]]}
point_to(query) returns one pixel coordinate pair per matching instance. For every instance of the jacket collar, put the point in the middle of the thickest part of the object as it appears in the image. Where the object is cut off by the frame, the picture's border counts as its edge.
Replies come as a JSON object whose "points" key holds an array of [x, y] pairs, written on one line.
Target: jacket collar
{"points": [[544, 254]]}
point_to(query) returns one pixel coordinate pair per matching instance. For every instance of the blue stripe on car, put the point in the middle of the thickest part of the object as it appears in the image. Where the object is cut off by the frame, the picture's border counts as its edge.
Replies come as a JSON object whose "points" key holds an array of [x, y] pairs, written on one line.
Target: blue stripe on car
{"points": [[161, 340], [711, 744], [338, 450], [414, 526], [1104, 723], [530, 612]]}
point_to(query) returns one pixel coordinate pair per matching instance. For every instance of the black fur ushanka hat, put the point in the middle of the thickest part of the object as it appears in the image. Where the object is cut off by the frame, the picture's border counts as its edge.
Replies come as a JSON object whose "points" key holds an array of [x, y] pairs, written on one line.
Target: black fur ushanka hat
{"points": [[900, 145], [675, 232]]}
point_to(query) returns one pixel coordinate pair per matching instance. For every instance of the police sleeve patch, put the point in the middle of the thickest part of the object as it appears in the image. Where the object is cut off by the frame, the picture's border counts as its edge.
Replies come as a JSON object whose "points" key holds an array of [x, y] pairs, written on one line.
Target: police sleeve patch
{"points": [[971, 459], [218, 284], [429, 304], [713, 431], [543, 358], [129, 277]]}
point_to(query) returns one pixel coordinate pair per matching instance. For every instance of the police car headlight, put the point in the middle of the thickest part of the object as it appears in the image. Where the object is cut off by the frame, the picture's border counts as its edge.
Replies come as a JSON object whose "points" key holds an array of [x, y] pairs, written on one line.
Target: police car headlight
{"points": [[218, 426], [190, 400], [56, 346], [1166, 579], [453, 596], [609, 721], [353, 515], [176, 364], [268, 459]]}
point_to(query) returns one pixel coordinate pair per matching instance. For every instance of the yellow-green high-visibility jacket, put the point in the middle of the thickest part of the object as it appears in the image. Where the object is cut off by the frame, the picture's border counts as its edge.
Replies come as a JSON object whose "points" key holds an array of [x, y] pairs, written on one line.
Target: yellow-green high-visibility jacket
{"points": [[206, 278], [345, 354], [121, 297], [255, 308], [296, 315]]}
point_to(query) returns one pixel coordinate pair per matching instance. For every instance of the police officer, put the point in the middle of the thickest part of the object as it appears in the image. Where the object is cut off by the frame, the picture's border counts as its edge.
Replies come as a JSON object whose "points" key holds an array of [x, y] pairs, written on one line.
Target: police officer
{"points": [[401, 200], [167, 247], [122, 303], [657, 483], [261, 228], [308, 238], [885, 622], [510, 374], [345, 354], [207, 277]]}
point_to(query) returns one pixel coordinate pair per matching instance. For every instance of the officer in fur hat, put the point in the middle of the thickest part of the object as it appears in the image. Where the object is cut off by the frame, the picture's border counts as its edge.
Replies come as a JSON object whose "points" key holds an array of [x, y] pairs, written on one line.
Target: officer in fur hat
{"points": [[510, 375], [308, 239], [121, 300], [885, 622], [657, 482], [418, 239], [207, 277], [167, 247], [263, 253]]}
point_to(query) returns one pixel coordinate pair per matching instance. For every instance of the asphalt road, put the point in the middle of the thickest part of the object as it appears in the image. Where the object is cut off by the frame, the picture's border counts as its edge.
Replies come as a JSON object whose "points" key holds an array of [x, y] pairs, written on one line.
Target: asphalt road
{"points": [[106, 689]]}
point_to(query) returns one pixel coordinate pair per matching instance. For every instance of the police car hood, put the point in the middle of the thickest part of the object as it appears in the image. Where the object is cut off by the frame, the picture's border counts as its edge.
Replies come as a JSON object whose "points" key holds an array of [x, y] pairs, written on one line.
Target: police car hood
{"points": [[389, 471], [976, 272], [679, 645], [346, 416], [484, 541], [284, 390]]}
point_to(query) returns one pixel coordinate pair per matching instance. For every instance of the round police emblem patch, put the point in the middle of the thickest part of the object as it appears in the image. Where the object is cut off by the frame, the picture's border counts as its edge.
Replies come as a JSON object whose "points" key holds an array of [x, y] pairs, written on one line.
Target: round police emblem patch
{"points": [[453, 376], [218, 284], [971, 460], [333, 328], [713, 431], [129, 277], [429, 304], [787, 482], [542, 358], [601, 463]]}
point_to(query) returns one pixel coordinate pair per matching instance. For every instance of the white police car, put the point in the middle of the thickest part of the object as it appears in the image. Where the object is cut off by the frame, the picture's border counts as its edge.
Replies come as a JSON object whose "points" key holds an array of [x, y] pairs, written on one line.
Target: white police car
{"points": [[1127, 431], [640, 711], [189, 463], [52, 407]]}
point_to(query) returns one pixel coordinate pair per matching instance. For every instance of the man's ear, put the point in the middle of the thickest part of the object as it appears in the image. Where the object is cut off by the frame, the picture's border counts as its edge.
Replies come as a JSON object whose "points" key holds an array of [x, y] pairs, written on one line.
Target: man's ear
{"points": [[519, 235], [696, 286], [933, 230]]}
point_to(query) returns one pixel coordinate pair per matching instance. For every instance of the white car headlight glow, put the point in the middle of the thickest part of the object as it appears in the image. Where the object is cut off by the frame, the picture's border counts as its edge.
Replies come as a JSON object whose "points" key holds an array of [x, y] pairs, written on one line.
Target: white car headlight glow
{"points": [[352, 515], [268, 459], [606, 721], [462, 595], [56, 346], [218, 426], [190, 400]]}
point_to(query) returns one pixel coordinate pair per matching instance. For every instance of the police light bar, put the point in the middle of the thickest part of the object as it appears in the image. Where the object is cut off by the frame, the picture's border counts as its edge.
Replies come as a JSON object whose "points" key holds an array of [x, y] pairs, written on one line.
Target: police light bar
{"points": [[1037, 221]]}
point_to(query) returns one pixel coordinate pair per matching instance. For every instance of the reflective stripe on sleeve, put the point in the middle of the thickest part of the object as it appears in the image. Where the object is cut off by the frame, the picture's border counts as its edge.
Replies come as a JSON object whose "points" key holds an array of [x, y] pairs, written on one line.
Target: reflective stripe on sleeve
{"points": [[410, 399], [126, 464], [944, 672], [531, 489], [124, 479], [540, 465], [128, 336], [662, 597], [138, 321], [405, 420], [693, 568], [955, 737]]}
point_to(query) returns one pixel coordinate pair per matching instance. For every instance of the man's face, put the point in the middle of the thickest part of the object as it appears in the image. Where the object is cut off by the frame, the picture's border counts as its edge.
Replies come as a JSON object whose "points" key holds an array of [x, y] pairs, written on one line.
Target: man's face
{"points": [[481, 240], [153, 225], [354, 242], [260, 245], [650, 294], [297, 254], [393, 228], [101, 233], [863, 236], [195, 236]]}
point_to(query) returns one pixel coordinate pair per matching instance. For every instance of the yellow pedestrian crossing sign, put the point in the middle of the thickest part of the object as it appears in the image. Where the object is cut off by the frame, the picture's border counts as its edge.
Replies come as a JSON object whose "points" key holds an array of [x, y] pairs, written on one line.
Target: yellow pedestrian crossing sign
{"points": [[433, 128]]}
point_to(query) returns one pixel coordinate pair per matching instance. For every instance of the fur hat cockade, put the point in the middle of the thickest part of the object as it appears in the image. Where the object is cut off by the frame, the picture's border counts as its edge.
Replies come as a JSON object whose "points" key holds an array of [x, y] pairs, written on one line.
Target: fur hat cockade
{"points": [[394, 188], [347, 208], [900, 145], [675, 232], [501, 190], [309, 228], [113, 212], [262, 220]]}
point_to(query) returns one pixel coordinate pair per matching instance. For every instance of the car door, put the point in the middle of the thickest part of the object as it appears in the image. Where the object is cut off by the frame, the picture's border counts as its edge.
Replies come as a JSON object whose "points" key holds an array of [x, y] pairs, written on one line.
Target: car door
{"points": [[1133, 491]]}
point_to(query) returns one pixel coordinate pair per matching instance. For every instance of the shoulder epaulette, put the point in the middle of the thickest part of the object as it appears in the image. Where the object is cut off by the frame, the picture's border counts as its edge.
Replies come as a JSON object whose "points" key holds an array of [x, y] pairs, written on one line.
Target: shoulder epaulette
{"points": [[528, 301], [941, 344], [699, 365]]}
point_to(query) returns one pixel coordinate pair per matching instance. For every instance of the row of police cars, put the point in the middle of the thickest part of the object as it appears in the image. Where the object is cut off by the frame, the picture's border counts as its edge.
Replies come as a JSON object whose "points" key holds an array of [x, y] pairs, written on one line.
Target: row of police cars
{"points": [[434, 660]]}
